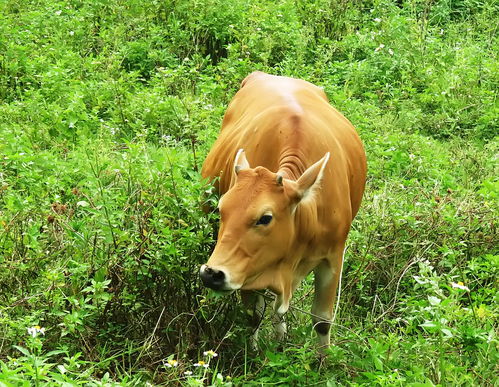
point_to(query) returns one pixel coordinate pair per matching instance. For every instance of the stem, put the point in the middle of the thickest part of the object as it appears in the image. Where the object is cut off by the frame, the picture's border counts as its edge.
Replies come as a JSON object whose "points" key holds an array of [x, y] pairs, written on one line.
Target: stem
{"points": [[95, 172], [35, 366]]}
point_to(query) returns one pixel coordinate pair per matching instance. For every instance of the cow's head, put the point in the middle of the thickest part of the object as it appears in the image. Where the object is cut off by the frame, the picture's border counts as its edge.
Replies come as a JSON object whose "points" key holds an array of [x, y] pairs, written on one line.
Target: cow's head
{"points": [[257, 225]]}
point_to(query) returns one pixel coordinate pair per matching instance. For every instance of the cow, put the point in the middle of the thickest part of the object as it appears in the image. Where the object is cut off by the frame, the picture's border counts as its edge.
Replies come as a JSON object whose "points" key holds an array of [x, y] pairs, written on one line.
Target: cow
{"points": [[290, 170]]}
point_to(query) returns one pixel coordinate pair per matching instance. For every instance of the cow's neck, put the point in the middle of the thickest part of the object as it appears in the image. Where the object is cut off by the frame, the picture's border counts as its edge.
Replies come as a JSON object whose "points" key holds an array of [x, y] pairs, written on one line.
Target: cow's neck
{"points": [[291, 165]]}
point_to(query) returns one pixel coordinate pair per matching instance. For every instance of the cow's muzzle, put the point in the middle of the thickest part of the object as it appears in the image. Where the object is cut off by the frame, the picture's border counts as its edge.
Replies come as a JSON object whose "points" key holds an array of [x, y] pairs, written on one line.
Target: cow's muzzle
{"points": [[212, 278]]}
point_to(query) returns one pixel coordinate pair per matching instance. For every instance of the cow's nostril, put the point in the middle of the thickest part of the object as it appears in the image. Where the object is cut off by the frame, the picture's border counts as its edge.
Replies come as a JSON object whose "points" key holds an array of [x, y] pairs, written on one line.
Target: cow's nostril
{"points": [[218, 276], [212, 278]]}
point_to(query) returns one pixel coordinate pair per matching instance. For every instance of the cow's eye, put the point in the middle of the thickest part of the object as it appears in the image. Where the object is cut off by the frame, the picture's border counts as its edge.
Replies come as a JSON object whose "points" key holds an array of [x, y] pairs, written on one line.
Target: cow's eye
{"points": [[265, 219]]}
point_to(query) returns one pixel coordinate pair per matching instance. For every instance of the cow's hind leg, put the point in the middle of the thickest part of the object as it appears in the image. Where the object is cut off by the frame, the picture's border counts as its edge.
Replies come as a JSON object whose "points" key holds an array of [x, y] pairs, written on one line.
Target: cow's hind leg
{"points": [[327, 277], [255, 308]]}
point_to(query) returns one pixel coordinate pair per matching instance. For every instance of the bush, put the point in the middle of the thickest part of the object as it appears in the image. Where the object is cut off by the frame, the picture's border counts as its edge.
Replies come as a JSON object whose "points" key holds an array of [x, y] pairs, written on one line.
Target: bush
{"points": [[107, 111]]}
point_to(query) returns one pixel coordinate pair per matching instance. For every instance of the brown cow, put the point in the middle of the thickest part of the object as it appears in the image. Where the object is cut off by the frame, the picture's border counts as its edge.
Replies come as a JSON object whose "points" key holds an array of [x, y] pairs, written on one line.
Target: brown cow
{"points": [[292, 172]]}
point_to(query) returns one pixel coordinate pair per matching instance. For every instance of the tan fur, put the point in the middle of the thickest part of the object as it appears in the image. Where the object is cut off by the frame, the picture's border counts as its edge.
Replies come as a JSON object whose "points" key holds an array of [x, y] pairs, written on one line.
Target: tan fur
{"points": [[285, 125]]}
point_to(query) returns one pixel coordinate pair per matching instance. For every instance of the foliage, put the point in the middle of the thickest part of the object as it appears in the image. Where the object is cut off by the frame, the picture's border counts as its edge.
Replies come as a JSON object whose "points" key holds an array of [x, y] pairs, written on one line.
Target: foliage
{"points": [[107, 109]]}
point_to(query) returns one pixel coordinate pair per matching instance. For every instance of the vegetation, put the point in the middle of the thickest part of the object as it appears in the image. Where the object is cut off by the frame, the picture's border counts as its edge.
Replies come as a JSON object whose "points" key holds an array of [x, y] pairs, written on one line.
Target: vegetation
{"points": [[107, 109]]}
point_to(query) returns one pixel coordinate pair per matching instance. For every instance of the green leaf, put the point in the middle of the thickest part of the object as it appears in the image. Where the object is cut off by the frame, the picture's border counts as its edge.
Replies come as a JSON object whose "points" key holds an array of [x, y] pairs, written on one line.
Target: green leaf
{"points": [[434, 300], [23, 350]]}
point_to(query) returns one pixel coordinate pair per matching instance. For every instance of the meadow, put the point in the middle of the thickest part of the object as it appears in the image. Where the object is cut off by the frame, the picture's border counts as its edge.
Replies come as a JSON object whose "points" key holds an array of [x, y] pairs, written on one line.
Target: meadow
{"points": [[107, 109]]}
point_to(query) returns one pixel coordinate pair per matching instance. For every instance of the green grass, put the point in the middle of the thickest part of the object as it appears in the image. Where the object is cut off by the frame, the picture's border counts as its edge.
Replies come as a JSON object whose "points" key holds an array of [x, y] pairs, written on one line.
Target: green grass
{"points": [[107, 110]]}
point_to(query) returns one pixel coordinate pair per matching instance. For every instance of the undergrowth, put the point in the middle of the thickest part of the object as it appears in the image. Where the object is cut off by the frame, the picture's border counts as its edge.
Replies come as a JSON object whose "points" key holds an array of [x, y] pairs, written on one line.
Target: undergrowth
{"points": [[107, 109]]}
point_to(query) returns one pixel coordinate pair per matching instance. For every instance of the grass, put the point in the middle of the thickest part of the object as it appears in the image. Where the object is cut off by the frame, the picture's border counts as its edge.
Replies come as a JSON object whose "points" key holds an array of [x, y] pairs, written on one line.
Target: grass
{"points": [[107, 110]]}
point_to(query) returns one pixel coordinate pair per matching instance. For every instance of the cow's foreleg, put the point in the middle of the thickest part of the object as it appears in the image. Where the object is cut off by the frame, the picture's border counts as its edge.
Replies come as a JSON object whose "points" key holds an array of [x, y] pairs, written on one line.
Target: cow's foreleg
{"points": [[280, 327], [281, 306], [255, 308], [327, 277]]}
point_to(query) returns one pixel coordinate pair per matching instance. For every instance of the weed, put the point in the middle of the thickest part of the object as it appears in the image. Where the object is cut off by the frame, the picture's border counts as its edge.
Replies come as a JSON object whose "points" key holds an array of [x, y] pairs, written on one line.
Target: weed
{"points": [[107, 109]]}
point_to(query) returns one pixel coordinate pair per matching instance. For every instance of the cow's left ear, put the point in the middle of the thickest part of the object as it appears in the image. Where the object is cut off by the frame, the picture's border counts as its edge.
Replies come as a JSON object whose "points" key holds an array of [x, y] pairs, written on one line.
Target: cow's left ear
{"points": [[311, 177]]}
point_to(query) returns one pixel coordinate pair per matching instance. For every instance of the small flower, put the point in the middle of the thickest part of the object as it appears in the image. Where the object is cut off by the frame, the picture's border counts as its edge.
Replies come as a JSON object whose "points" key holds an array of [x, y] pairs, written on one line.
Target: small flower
{"points": [[58, 12], [171, 363], [188, 373], [34, 331], [380, 47], [377, 20], [460, 285], [201, 363], [210, 353], [390, 51], [71, 33]]}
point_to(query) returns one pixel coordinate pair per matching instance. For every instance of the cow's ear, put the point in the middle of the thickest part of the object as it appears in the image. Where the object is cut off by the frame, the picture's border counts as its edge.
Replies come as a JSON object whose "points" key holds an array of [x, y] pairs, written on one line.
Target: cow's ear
{"points": [[311, 177], [240, 162]]}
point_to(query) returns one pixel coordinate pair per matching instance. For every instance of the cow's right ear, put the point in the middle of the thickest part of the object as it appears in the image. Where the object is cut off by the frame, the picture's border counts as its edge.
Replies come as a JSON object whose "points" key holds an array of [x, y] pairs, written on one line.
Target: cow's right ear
{"points": [[312, 177], [304, 187], [240, 162]]}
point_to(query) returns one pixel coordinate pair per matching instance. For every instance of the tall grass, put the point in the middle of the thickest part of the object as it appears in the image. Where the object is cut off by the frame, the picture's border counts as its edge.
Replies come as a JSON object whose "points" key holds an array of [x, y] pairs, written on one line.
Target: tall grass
{"points": [[107, 109]]}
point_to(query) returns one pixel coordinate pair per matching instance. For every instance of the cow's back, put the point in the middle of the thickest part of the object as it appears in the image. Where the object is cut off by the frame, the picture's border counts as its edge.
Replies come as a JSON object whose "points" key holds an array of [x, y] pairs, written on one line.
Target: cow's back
{"points": [[288, 124]]}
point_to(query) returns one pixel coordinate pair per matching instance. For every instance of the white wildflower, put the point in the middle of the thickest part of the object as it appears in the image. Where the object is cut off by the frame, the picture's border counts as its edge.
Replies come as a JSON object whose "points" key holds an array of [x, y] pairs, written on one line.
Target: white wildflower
{"points": [[171, 363], [201, 363], [210, 353], [460, 285], [34, 331]]}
